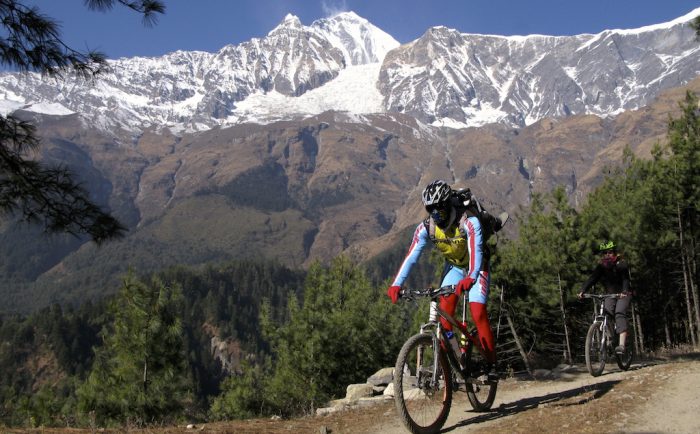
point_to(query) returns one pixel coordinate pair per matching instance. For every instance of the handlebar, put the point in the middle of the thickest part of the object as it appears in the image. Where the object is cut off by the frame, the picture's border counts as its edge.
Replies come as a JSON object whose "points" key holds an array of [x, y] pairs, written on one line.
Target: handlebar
{"points": [[411, 294], [604, 296]]}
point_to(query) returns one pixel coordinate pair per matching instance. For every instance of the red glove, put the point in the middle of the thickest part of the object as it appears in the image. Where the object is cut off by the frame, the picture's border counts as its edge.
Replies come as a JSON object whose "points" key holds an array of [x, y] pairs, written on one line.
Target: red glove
{"points": [[464, 285], [393, 293]]}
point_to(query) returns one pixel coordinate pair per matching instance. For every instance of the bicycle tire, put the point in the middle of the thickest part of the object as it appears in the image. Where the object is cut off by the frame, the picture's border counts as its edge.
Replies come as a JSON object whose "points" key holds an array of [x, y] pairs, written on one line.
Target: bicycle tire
{"points": [[481, 396], [625, 361], [422, 408], [595, 350]]}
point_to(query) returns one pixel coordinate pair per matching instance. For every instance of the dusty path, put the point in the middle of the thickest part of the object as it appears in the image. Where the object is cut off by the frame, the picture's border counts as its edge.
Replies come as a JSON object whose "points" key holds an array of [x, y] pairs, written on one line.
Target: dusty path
{"points": [[652, 397], [675, 406], [658, 398], [662, 396]]}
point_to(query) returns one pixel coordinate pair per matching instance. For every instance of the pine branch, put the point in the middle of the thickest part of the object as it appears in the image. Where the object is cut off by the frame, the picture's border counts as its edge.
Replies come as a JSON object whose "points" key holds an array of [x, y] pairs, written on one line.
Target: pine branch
{"points": [[33, 43], [149, 8], [48, 195]]}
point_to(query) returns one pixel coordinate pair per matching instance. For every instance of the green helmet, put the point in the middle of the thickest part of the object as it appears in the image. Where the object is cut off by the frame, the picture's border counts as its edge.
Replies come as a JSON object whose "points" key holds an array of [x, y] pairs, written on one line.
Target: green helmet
{"points": [[606, 246]]}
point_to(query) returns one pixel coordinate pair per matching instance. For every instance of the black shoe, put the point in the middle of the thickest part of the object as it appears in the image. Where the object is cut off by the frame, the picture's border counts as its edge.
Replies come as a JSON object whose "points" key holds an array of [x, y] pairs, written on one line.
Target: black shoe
{"points": [[493, 374], [620, 350], [490, 375]]}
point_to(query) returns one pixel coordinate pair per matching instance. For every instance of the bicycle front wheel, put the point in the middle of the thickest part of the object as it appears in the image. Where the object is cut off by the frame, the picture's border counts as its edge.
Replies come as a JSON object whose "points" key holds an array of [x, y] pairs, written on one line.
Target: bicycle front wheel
{"points": [[422, 385], [481, 394], [595, 350]]}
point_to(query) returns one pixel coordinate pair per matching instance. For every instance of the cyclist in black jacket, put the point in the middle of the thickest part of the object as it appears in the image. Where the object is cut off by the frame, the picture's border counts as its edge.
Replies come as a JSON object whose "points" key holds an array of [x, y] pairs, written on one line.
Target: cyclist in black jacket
{"points": [[613, 273]]}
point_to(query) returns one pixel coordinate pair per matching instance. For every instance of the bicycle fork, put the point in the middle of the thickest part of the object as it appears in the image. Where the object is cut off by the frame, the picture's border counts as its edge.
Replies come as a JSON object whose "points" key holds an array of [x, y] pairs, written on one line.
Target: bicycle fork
{"points": [[434, 377], [606, 334]]}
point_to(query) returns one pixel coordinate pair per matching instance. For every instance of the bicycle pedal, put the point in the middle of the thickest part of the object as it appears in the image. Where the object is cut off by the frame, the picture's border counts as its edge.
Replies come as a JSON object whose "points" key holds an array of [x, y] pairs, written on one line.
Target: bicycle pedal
{"points": [[482, 380]]}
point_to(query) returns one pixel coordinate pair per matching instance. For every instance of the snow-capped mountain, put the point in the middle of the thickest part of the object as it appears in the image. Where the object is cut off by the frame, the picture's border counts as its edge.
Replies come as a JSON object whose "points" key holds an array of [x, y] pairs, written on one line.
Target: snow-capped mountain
{"points": [[466, 79], [197, 90], [344, 63]]}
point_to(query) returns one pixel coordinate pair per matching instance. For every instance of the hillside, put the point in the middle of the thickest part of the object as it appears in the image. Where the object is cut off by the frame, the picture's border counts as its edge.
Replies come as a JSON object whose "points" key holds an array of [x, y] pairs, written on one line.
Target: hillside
{"points": [[315, 141], [298, 193]]}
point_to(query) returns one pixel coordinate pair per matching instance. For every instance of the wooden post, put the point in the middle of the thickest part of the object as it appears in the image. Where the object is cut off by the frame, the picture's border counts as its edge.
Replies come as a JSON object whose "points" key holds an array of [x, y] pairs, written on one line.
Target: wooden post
{"points": [[638, 332], [517, 342], [563, 316], [686, 278]]}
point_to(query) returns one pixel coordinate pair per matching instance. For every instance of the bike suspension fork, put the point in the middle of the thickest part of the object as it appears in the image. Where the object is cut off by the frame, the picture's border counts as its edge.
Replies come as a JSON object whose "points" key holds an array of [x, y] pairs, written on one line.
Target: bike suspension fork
{"points": [[436, 355]]}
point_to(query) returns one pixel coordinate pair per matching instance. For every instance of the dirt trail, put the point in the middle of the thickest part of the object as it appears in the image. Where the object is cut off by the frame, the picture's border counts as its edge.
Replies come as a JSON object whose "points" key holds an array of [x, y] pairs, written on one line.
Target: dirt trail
{"points": [[652, 397], [662, 396], [675, 406], [649, 398]]}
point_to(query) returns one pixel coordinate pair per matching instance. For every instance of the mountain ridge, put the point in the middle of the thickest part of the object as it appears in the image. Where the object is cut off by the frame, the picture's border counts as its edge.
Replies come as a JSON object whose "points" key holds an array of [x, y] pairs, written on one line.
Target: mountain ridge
{"points": [[445, 77], [302, 187]]}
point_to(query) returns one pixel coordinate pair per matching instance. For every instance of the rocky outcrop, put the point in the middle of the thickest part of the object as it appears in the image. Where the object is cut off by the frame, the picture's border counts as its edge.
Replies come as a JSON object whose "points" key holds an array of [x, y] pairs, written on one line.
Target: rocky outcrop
{"points": [[378, 389], [227, 351]]}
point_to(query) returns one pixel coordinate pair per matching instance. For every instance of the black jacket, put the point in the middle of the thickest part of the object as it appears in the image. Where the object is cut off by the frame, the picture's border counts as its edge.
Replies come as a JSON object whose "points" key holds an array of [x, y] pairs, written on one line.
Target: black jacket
{"points": [[614, 279]]}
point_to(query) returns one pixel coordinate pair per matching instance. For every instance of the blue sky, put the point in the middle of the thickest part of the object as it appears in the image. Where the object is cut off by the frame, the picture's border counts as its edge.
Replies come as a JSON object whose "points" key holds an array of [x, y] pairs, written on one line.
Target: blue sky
{"points": [[208, 25]]}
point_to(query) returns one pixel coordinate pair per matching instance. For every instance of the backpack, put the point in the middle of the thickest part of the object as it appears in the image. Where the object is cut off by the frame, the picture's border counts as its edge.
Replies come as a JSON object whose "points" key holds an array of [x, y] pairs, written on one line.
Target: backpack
{"points": [[467, 205]]}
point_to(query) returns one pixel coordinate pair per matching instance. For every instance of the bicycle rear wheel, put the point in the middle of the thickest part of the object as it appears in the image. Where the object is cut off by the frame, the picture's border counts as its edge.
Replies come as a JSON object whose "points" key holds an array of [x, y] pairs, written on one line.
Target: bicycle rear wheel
{"points": [[481, 395], [595, 350], [422, 385]]}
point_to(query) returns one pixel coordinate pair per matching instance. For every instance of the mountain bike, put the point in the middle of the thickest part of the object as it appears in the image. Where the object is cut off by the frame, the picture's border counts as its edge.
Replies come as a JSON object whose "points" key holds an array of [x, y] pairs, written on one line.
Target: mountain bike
{"points": [[428, 369], [600, 339]]}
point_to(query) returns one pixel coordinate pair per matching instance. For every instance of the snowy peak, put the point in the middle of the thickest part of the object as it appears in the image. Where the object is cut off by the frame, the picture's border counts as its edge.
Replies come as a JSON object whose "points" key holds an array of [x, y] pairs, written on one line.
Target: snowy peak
{"points": [[360, 41], [455, 79], [290, 22], [197, 90], [345, 63], [683, 20]]}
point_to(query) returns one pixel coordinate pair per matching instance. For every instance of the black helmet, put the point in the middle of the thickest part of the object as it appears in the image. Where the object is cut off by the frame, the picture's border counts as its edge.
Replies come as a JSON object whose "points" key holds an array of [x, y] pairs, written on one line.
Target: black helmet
{"points": [[436, 193]]}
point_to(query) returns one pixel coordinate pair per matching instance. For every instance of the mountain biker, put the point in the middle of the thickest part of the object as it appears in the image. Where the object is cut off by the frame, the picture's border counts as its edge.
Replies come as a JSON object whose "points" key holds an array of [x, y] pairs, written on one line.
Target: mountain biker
{"points": [[613, 273], [458, 234]]}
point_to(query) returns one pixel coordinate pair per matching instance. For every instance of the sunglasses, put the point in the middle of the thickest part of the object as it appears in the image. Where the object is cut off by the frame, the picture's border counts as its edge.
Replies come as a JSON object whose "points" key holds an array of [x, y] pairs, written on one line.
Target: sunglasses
{"points": [[440, 213]]}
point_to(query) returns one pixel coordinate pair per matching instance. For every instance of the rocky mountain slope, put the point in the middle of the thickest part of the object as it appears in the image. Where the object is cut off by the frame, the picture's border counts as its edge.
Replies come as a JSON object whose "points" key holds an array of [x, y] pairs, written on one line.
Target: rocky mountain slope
{"points": [[161, 143]]}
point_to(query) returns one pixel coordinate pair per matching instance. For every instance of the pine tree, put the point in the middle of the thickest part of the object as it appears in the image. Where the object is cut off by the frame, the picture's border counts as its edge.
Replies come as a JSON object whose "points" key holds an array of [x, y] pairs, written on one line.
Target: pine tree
{"points": [[139, 375], [538, 270], [342, 331]]}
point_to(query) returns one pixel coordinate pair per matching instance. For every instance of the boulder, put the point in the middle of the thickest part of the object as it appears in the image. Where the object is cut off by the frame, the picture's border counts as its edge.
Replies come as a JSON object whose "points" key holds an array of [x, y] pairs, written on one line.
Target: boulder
{"points": [[357, 391], [382, 377]]}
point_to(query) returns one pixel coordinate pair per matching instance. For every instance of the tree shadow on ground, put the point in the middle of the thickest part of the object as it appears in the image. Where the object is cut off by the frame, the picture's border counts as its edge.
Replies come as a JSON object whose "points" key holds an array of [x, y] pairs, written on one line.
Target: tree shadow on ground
{"points": [[665, 356], [576, 396], [683, 356]]}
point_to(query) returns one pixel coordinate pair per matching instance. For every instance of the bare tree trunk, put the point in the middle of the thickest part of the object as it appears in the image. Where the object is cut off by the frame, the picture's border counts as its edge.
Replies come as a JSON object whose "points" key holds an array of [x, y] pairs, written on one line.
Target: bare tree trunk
{"points": [[563, 316], [686, 283], [638, 332], [688, 302], [667, 330], [523, 354], [692, 269], [145, 376], [636, 321]]}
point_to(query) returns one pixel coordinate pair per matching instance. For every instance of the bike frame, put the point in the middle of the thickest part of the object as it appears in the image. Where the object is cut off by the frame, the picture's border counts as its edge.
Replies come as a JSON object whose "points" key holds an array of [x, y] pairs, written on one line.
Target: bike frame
{"points": [[602, 318], [461, 327], [434, 326]]}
